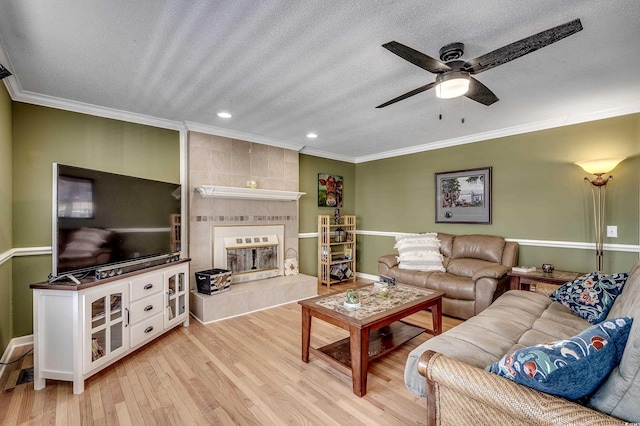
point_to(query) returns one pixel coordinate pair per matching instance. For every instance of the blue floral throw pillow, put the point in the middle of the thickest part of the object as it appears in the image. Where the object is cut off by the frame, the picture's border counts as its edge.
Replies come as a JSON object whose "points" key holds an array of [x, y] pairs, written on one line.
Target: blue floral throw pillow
{"points": [[591, 296], [570, 368]]}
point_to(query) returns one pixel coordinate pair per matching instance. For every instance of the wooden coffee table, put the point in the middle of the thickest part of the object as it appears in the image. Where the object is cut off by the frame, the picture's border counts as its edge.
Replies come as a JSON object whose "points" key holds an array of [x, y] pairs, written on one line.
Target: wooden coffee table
{"points": [[374, 329]]}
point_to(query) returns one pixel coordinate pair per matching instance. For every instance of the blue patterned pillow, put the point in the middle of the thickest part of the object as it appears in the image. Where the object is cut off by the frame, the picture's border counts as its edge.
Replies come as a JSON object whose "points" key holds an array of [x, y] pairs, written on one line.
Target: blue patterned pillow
{"points": [[591, 296], [570, 368]]}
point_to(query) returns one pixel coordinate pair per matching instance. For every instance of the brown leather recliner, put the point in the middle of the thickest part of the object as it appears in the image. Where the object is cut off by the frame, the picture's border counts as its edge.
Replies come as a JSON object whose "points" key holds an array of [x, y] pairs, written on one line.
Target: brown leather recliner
{"points": [[476, 272]]}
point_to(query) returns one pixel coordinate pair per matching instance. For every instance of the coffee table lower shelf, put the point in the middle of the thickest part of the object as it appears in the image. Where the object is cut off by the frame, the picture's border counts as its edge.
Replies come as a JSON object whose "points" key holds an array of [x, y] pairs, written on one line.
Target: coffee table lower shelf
{"points": [[381, 342]]}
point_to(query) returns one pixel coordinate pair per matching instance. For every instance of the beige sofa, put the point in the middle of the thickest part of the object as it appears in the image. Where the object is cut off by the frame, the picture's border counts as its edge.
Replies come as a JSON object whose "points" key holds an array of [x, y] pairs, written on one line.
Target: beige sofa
{"points": [[475, 274], [459, 391]]}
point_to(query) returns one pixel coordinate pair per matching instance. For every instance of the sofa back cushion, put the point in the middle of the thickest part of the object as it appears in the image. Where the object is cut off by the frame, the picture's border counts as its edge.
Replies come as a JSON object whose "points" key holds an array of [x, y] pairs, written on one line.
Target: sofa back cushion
{"points": [[446, 246], [467, 267], [619, 394], [482, 247]]}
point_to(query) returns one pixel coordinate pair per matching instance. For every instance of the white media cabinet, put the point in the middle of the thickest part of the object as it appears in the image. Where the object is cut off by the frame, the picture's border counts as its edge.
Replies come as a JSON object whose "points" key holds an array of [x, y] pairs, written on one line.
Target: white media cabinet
{"points": [[80, 329]]}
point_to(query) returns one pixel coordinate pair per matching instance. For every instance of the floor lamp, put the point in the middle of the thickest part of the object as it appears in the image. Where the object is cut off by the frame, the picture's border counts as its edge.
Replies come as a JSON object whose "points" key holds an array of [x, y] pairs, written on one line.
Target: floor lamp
{"points": [[598, 189]]}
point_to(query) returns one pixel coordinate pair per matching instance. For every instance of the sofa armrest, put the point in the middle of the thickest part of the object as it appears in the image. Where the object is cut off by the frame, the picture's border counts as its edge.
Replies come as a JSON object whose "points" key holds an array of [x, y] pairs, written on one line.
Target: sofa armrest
{"points": [[458, 393], [390, 260], [493, 271]]}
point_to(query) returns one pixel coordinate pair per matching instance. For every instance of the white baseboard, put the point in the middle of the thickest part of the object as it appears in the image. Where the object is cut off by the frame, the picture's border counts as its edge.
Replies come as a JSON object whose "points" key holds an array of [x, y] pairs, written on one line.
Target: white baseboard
{"points": [[367, 276], [13, 345]]}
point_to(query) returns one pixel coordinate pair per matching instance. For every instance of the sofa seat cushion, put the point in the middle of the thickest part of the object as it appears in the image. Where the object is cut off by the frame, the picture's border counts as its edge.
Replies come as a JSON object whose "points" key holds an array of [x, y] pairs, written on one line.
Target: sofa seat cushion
{"points": [[494, 332], [454, 286]]}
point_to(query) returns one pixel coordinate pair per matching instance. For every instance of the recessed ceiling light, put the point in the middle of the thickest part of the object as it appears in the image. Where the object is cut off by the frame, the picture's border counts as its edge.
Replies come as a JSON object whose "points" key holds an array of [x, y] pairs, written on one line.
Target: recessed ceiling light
{"points": [[224, 115], [312, 135]]}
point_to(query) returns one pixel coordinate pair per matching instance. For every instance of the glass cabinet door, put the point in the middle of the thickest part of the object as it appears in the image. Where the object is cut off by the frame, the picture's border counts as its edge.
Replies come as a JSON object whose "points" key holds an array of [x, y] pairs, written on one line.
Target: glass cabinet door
{"points": [[177, 293], [106, 335]]}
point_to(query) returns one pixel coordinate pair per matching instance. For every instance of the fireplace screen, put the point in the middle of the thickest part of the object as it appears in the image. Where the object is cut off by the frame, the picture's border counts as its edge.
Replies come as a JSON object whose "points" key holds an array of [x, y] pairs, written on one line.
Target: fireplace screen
{"points": [[251, 254]]}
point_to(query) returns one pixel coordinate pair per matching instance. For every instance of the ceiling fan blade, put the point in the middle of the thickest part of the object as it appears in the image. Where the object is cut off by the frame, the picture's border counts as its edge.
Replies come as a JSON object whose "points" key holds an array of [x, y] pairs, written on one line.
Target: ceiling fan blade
{"points": [[408, 94], [522, 47], [480, 93], [416, 58]]}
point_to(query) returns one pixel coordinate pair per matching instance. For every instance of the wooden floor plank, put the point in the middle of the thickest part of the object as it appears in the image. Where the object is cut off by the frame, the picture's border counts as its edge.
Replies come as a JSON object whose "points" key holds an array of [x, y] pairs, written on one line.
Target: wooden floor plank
{"points": [[240, 371]]}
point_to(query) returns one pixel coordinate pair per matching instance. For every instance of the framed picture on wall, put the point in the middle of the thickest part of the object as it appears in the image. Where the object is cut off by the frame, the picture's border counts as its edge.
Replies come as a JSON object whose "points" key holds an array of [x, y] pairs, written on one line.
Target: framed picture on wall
{"points": [[329, 190], [464, 196]]}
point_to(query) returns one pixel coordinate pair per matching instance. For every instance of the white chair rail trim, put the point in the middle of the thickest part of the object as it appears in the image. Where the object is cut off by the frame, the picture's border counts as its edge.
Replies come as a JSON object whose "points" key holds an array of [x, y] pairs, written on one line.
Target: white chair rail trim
{"points": [[524, 242], [23, 251], [630, 248]]}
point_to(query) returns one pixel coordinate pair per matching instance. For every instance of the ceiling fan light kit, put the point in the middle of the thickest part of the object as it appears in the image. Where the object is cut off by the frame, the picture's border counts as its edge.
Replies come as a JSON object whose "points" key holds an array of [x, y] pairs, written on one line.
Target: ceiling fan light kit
{"points": [[454, 76], [452, 84]]}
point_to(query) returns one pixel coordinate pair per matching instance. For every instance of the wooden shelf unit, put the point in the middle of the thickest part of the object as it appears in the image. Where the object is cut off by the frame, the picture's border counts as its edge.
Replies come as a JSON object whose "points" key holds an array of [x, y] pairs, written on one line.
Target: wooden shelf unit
{"points": [[175, 233], [332, 252]]}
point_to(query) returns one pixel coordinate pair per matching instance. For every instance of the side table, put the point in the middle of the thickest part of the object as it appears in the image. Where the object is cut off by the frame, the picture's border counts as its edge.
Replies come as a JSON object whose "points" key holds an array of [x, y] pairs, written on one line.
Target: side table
{"points": [[522, 280]]}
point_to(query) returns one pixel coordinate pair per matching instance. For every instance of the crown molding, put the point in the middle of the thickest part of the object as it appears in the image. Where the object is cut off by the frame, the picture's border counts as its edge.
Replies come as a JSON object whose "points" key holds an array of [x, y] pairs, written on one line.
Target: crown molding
{"points": [[84, 108], [17, 94], [233, 134], [508, 131], [328, 155]]}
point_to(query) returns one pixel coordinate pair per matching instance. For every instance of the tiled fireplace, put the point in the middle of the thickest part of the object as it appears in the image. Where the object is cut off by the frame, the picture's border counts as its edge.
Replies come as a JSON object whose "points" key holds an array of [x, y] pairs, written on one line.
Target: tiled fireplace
{"points": [[251, 252], [225, 162]]}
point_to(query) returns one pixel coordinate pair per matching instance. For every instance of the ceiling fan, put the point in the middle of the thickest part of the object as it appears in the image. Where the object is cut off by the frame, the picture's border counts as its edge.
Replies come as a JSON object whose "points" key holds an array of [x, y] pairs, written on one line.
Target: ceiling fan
{"points": [[454, 77]]}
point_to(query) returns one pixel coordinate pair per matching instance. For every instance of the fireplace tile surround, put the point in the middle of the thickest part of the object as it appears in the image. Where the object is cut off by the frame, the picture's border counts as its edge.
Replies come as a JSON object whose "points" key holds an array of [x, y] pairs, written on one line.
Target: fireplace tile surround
{"points": [[216, 160]]}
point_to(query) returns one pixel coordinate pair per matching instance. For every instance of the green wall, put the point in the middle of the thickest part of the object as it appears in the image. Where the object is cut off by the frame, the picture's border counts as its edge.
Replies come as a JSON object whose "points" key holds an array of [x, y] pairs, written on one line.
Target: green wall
{"points": [[309, 168], [5, 217], [42, 136], [538, 193]]}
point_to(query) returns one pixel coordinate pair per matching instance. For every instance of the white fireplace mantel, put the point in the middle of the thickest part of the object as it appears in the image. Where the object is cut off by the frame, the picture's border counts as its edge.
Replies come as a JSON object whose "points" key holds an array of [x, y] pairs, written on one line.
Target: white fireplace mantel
{"points": [[212, 191]]}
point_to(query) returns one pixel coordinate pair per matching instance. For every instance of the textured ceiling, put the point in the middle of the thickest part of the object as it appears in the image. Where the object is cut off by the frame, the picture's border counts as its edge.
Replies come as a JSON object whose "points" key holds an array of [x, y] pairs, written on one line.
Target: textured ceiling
{"points": [[286, 68]]}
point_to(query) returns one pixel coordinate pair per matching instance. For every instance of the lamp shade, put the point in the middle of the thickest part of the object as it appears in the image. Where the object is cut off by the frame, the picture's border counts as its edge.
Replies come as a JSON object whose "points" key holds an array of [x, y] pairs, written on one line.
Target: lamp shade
{"points": [[599, 167], [452, 84]]}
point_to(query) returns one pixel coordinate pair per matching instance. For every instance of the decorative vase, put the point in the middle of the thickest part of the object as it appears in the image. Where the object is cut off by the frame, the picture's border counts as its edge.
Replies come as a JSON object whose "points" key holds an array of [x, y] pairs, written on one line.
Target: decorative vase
{"points": [[353, 297], [336, 217]]}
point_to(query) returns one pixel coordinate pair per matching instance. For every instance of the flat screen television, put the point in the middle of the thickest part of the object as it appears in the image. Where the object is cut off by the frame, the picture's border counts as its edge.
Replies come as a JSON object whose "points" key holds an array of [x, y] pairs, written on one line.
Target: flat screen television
{"points": [[102, 219]]}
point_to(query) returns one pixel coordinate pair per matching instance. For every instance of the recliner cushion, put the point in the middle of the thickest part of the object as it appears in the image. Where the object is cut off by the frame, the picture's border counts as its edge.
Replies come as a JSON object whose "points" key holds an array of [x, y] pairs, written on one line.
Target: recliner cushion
{"points": [[455, 287], [483, 247], [467, 267]]}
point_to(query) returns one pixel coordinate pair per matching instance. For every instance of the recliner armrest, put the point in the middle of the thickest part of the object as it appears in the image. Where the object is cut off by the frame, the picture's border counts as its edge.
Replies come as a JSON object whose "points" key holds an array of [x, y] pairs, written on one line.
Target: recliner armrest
{"points": [[493, 271], [390, 260]]}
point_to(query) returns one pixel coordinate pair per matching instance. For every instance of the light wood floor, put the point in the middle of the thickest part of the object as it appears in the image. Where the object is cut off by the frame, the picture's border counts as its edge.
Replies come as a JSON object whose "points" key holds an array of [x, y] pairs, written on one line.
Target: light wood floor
{"points": [[241, 371]]}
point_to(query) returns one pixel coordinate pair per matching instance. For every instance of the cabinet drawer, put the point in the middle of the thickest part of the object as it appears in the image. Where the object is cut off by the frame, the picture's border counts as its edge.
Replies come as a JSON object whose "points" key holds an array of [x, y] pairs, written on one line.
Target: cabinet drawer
{"points": [[147, 329], [146, 285], [145, 308]]}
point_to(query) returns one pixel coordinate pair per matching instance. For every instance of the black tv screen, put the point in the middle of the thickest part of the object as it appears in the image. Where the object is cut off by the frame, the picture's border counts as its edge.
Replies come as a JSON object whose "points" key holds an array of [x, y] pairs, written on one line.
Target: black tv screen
{"points": [[102, 218]]}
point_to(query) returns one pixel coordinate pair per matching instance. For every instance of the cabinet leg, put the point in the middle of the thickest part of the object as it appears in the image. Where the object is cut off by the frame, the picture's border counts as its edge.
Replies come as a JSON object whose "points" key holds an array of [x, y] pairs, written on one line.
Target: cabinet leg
{"points": [[38, 382]]}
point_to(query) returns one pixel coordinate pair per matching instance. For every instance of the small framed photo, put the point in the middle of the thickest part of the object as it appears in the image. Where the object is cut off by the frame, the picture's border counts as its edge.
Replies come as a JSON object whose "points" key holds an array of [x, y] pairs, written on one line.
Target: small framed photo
{"points": [[464, 196], [348, 254], [329, 190]]}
